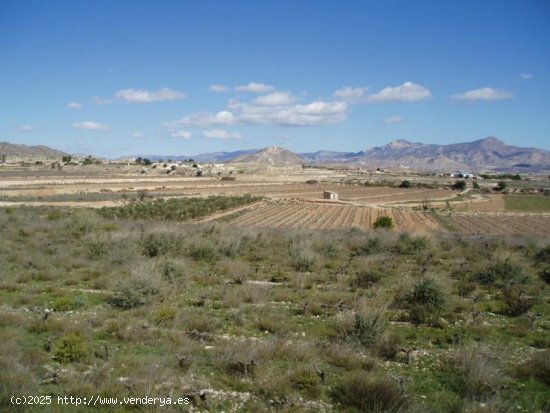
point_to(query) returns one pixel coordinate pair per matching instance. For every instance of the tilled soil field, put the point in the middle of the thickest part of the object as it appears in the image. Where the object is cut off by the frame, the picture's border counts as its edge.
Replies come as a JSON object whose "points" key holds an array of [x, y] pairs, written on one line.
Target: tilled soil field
{"points": [[498, 224], [332, 217]]}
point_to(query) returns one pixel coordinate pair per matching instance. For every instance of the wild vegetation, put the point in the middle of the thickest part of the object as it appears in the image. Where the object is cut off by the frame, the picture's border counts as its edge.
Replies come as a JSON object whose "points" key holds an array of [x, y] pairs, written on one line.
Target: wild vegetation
{"points": [[132, 302]]}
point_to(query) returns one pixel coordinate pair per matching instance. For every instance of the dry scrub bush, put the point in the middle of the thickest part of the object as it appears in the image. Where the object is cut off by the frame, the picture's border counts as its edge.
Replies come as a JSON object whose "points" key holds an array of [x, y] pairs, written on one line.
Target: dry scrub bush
{"points": [[361, 328], [538, 366], [364, 393], [347, 356], [302, 256], [473, 372], [424, 301], [195, 320], [139, 288]]}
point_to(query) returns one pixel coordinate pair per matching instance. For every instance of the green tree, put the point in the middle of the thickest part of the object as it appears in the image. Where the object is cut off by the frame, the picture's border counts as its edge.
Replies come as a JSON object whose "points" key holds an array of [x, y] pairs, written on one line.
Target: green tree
{"points": [[460, 185], [501, 186], [383, 222]]}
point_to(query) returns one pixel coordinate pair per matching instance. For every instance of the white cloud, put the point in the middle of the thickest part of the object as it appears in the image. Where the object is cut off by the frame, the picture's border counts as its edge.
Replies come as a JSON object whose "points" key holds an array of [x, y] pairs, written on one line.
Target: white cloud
{"points": [[526, 76], [25, 128], [74, 105], [485, 93], [183, 134], [218, 88], [99, 101], [89, 125], [144, 96], [407, 92], [275, 99], [394, 119], [206, 119], [314, 113], [254, 88], [351, 94], [221, 134], [138, 135]]}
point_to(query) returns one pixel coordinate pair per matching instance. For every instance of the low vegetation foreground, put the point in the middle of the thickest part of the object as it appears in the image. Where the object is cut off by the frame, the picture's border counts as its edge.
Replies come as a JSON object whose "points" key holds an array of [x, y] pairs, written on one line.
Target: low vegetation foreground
{"points": [[132, 301]]}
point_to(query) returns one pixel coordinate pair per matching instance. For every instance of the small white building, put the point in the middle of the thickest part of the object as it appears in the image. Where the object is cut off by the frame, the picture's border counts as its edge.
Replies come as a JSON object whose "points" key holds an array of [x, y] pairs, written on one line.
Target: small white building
{"points": [[333, 196]]}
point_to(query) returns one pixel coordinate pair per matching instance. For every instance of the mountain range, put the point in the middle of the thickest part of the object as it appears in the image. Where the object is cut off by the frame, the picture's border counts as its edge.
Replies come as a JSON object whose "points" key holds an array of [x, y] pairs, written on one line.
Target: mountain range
{"points": [[24, 151], [489, 154]]}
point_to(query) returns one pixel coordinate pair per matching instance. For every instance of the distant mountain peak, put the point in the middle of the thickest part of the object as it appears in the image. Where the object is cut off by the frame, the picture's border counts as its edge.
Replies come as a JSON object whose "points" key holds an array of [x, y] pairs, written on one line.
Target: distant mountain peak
{"points": [[272, 155], [399, 143]]}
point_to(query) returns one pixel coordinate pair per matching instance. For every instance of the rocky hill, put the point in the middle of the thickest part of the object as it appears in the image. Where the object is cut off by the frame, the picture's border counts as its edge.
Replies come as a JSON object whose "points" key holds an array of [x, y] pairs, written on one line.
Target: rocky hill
{"points": [[273, 156], [12, 150], [488, 154]]}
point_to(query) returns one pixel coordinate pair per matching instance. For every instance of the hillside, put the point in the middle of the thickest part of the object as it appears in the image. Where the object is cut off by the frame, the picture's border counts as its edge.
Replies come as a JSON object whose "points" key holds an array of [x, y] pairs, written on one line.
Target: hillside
{"points": [[24, 151], [481, 155], [273, 156]]}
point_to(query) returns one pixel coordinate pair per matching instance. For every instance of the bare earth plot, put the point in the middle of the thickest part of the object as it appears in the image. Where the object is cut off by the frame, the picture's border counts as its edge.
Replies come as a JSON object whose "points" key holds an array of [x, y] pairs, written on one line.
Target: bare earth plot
{"points": [[498, 223], [332, 217], [487, 203]]}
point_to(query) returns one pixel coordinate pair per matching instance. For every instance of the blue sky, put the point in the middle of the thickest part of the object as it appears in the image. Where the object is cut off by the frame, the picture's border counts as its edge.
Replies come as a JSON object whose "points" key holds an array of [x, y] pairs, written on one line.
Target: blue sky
{"points": [[115, 78]]}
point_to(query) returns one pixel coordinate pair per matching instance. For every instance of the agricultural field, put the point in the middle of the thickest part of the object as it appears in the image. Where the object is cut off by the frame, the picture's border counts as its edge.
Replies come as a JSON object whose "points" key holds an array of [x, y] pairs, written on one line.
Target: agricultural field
{"points": [[497, 224], [326, 216], [527, 203], [240, 318]]}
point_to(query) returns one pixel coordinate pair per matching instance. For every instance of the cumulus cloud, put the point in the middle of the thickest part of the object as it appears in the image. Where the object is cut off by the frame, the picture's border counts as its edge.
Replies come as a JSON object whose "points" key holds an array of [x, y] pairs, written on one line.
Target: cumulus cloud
{"points": [[218, 88], [221, 134], [407, 92], [275, 99], [74, 105], [351, 94], [138, 135], [526, 76], [89, 125], [314, 113], [183, 134], [254, 88], [484, 93], [25, 128], [145, 96], [394, 119], [206, 119]]}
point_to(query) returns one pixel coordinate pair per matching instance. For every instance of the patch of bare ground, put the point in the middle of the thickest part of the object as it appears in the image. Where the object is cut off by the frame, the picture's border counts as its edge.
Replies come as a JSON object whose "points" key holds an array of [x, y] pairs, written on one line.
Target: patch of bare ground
{"points": [[482, 203], [496, 223], [332, 216]]}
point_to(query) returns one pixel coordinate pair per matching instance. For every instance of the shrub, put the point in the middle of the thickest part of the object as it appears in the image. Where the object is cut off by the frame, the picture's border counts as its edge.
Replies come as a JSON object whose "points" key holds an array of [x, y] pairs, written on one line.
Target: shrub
{"points": [[165, 316], [405, 184], [501, 273], [301, 254], [366, 329], [384, 223], [410, 245], [203, 250], [538, 366], [460, 185], [133, 291], [305, 380], [155, 244], [472, 373], [66, 304], [360, 391], [515, 300], [367, 277], [543, 255], [501, 186], [72, 347], [389, 345], [424, 301], [54, 215]]}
